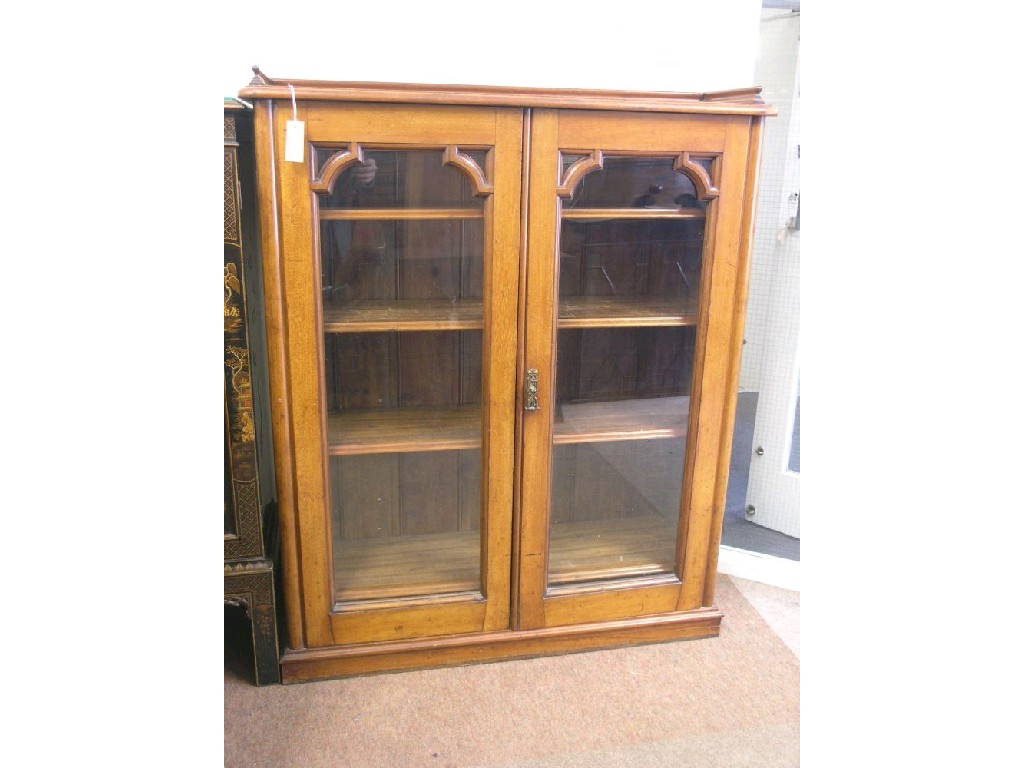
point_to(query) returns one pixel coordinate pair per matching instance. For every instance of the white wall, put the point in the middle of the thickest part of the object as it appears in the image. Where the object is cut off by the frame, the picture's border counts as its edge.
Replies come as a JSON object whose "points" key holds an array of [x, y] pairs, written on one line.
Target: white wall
{"points": [[682, 45], [770, 357], [777, 72]]}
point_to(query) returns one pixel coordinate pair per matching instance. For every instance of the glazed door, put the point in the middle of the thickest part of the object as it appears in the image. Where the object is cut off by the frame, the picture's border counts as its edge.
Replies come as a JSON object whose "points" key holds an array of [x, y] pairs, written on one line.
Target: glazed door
{"points": [[401, 254], [635, 228]]}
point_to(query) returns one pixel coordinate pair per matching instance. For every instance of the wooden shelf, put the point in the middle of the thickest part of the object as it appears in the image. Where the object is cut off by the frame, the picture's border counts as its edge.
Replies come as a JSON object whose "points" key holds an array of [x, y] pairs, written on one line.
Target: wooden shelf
{"points": [[617, 312], [404, 566], [632, 213], [612, 549], [446, 563], [655, 418], [404, 315], [398, 430], [398, 214]]}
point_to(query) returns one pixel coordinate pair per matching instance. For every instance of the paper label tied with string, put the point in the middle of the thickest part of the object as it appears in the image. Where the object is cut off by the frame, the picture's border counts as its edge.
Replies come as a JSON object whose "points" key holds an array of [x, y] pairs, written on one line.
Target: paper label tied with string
{"points": [[294, 135]]}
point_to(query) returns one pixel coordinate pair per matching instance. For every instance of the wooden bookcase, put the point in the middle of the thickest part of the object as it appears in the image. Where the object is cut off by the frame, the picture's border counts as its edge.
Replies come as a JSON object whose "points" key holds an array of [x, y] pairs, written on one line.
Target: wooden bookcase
{"points": [[504, 329]]}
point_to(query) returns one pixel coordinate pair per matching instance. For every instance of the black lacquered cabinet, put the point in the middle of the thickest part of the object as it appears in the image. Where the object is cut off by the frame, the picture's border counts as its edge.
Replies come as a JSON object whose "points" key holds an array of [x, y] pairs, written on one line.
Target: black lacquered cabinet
{"points": [[249, 527]]}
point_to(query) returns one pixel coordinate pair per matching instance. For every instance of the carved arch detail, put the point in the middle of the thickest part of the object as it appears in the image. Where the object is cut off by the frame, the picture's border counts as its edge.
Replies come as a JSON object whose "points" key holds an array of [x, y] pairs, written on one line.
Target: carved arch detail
{"points": [[469, 167], [698, 174], [575, 172], [336, 163]]}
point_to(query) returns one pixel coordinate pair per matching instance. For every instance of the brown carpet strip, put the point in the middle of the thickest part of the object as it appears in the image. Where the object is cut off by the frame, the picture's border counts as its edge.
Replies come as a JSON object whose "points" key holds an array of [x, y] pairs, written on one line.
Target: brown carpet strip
{"points": [[732, 701]]}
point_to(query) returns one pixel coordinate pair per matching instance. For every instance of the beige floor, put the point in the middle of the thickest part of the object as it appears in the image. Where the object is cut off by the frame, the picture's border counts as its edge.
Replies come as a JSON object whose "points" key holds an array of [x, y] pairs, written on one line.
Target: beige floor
{"points": [[729, 701]]}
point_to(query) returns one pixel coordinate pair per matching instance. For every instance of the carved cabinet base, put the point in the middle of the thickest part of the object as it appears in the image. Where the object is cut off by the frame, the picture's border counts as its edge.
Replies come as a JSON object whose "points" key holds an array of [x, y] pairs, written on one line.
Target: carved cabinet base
{"points": [[251, 585]]}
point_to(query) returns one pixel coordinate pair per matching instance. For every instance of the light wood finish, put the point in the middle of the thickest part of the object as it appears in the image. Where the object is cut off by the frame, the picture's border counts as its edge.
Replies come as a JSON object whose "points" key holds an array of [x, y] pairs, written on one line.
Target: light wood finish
{"points": [[405, 315], [625, 547], [400, 126], [323, 180], [305, 353], [633, 213], [614, 312], [397, 430], [316, 664], [702, 183], [402, 430], [574, 174], [468, 166], [746, 101], [399, 214], [277, 358], [647, 419], [538, 426], [713, 376], [735, 356], [374, 569], [726, 140], [375, 128], [484, 587]]}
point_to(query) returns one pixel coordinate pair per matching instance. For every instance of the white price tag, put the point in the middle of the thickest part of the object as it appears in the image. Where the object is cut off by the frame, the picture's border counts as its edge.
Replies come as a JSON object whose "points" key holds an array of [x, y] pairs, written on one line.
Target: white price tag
{"points": [[294, 141]]}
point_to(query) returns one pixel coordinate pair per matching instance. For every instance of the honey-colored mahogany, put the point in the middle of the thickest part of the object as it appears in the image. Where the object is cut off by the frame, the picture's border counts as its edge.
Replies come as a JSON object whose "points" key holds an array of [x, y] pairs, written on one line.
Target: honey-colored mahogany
{"points": [[492, 588]]}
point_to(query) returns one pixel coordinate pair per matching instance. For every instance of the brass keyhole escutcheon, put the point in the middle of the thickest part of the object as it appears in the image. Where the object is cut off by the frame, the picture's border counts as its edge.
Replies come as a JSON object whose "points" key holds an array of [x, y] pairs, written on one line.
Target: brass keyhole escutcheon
{"points": [[531, 390]]}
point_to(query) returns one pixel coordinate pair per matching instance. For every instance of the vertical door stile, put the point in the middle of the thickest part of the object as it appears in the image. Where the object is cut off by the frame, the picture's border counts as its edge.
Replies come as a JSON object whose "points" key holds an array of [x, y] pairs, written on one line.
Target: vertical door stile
{"points": [[500, 344], [735, 354], [541, 307], [717, 400]]}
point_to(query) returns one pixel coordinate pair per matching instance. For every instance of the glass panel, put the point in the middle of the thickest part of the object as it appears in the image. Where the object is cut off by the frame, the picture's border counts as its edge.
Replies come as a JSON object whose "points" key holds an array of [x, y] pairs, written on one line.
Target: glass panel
{"points": [[406, 523], [401, 260], [631, 259], [404, 434], [402, 179], [388, 371], [628, 303], [635, 182], [615, 509], [403, 348]]}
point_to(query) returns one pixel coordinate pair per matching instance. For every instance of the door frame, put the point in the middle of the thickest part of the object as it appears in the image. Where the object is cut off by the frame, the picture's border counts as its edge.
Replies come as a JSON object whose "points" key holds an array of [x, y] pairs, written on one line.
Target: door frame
{"points": [[735, 141], [300, 344]]}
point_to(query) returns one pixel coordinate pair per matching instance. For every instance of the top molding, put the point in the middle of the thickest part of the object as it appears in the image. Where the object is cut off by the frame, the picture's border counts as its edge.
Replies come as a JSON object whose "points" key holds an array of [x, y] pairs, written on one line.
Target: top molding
{"points": [[743, 101]]}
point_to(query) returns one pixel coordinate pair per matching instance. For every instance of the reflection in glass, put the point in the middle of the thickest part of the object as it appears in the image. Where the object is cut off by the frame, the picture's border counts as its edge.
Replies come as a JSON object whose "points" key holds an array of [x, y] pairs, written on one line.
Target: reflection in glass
{"points": [[406, 524], [402, 256], [636, 182], [615, 509], [631, 258], [628, 289], [387, 260]]}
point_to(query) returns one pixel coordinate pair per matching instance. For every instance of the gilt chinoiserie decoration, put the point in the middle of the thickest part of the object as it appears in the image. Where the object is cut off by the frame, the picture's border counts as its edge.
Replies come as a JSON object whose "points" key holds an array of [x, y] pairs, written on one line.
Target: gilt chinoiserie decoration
{"points": [[248, 543], [504, 329]]}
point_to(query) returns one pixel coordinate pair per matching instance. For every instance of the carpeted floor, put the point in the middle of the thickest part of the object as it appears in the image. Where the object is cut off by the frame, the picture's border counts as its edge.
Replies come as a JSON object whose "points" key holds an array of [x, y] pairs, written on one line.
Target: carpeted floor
{"points": [[731, 701]]}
